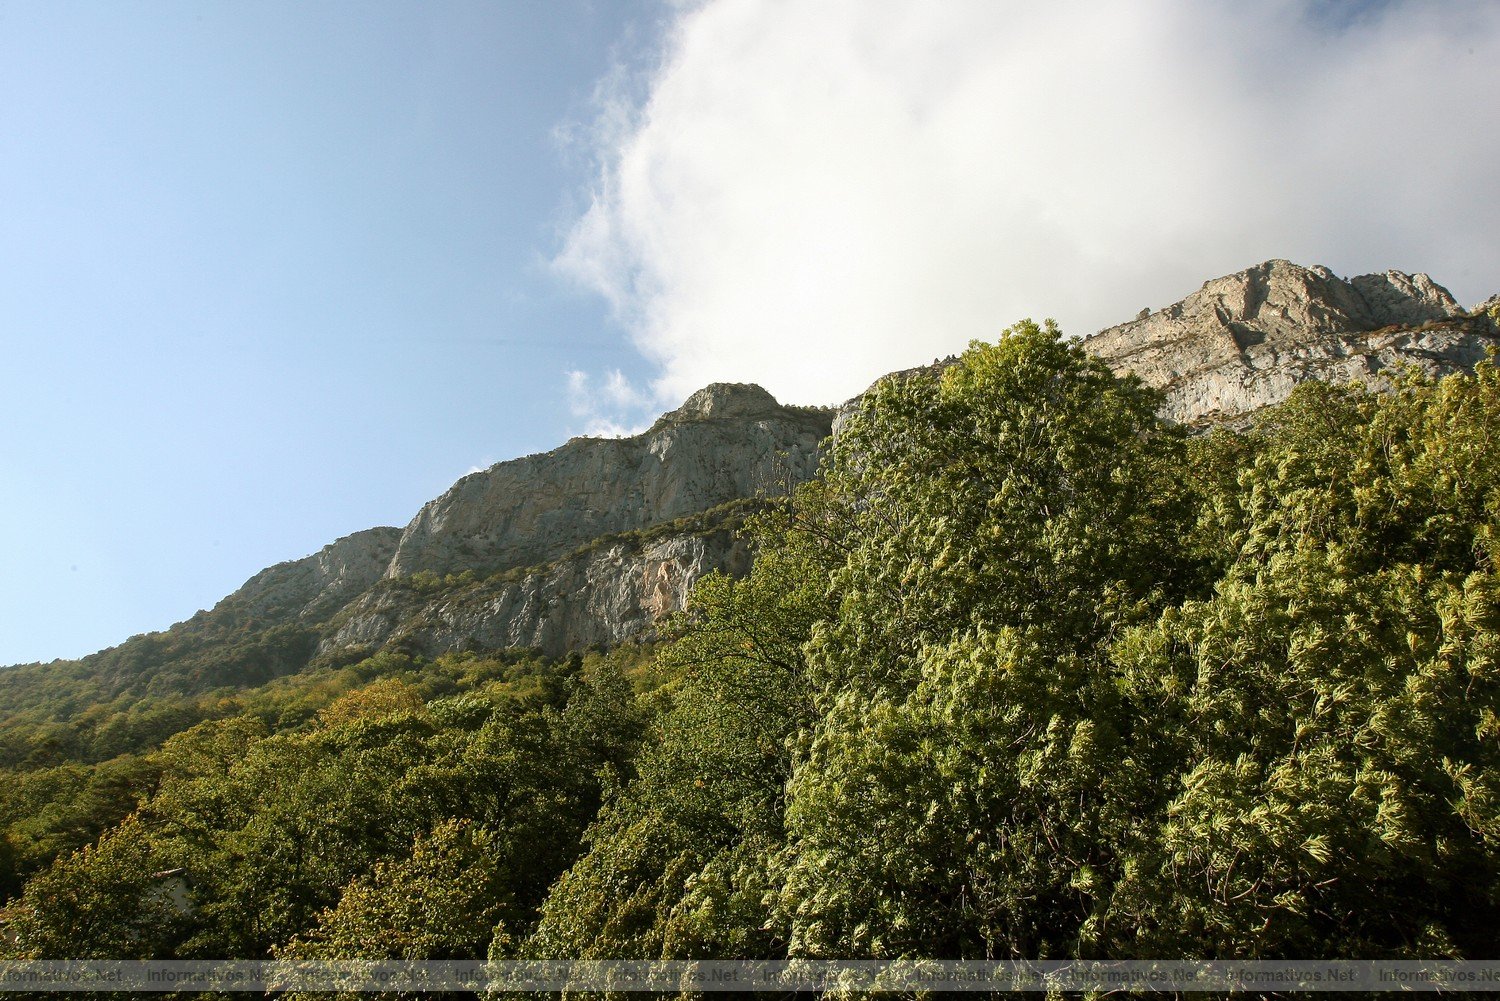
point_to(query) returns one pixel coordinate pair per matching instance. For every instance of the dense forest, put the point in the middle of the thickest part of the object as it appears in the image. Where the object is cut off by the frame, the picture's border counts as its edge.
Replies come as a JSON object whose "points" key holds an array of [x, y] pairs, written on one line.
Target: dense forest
{"points": [[1026, 672]]}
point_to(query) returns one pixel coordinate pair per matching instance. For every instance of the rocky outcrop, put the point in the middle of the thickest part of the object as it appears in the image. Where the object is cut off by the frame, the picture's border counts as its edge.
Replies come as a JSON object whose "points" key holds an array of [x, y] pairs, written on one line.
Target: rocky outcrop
{"points": [[453, 578], [316, 586], [591, 543], [726, 442], [595, 541], [1243, 341], [613, 592]]}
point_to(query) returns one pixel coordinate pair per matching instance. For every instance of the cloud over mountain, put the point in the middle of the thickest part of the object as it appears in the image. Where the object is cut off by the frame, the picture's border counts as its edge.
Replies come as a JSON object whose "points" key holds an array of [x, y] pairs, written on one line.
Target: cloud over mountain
{"points": [[812, 193]]}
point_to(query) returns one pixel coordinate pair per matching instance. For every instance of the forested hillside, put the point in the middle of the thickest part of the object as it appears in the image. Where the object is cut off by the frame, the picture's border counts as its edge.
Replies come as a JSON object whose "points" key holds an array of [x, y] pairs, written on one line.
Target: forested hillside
{"points": [[1026, 671]]}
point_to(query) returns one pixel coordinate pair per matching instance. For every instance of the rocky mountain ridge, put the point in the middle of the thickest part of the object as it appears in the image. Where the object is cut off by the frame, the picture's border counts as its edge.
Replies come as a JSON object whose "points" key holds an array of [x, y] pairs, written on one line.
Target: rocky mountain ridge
{"points": [[726, 442], [319, 585], [595, 541], [1243, 341], [614, 590]]}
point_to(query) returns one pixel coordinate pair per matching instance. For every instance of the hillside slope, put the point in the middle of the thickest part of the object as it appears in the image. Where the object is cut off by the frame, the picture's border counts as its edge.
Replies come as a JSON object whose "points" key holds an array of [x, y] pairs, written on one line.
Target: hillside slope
{"points": [[541, 551]]}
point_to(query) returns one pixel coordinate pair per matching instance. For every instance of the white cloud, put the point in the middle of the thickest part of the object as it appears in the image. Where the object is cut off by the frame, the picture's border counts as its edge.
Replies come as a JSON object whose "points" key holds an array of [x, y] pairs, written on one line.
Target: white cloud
{"points": [[607, 408], [819, 191]]}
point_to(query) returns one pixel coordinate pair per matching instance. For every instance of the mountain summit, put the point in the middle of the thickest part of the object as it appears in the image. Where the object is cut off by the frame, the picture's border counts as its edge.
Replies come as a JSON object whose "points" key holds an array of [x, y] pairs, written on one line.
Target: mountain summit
{"points": [[1242, 341], [726, 442], [596, 540]]}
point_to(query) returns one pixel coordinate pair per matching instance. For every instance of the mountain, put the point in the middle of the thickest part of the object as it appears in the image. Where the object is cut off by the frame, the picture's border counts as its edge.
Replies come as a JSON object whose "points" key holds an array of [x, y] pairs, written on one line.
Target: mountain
{"points": [[1242, 342], [725, 443], [594, 542], [614, 589], [591, 543], [1030, 649]]}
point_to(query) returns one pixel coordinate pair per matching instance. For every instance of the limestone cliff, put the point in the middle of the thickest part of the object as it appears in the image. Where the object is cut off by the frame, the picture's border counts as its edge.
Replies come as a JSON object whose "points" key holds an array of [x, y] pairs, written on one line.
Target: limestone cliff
{"points": [[1242, 342], [597, 540], [593, 542], [726, 442], [614, 591], [316, 586]]}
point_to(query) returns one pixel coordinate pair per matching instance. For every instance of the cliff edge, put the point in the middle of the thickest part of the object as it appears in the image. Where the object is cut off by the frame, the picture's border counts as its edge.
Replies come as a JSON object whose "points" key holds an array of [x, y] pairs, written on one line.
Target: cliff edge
{"points": [[1242, 341]]}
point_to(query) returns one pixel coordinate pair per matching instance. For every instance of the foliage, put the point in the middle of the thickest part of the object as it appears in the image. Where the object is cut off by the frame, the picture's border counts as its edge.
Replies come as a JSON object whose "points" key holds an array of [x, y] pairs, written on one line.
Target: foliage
{"points": [[1026, 673], [103, 902], [1333, 704], [1070, 685], [275, 828], [676, 864], [49, 811], [442, 902], [1004, 520]]}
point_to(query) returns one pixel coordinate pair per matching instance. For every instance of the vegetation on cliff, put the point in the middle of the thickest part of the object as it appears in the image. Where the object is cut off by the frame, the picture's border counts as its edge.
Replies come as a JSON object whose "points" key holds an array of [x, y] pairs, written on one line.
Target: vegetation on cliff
{"points": [[1027, 672]]}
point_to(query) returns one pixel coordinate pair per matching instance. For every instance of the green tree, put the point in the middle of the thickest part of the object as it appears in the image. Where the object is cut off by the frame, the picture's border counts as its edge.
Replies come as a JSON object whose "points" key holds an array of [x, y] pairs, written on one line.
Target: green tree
{"points": [[1332, 707], [677, 863], [1003, 520], [101, 902], [442, 902]]}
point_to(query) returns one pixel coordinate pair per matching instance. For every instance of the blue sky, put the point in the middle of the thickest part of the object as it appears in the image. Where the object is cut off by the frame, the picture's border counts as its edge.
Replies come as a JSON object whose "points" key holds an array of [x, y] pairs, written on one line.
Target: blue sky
{"points": [[271, 273]]}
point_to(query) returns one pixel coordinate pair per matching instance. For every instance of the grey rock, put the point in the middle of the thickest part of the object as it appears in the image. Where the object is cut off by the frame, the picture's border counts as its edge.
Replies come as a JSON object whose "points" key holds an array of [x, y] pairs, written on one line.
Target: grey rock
{"points": [[1399, 298], [532, 550], [316, 586], [1242, 342], [726, 442], [616, 592], [725, 401], [534, 545]]}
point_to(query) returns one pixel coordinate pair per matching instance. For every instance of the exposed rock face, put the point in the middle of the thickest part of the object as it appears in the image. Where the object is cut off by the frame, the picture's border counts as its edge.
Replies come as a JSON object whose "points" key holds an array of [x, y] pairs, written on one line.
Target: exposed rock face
{"points": [[559, 514], [316, 586], [1243, 341], [609, 594], [528, 553], [726, 442]]}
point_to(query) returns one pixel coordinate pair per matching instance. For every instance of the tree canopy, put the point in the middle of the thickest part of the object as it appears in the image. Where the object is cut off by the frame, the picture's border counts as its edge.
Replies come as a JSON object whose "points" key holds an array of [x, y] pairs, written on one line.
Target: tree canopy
{"points": [[1027, 672]]}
